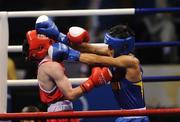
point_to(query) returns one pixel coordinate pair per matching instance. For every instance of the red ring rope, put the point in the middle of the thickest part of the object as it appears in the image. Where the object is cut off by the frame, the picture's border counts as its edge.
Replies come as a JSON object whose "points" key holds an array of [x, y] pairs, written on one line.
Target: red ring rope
{"points": [[88, 114]]}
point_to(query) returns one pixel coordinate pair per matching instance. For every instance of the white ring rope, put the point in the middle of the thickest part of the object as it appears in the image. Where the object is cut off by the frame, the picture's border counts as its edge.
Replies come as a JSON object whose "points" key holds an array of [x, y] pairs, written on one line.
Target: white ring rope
{"points": [[33, 82], [90, 12], [14, 48], [18, 48]]}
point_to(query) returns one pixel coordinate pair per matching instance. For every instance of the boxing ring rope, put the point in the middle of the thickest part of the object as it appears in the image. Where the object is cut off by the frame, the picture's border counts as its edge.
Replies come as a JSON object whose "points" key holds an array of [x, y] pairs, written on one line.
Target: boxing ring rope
{"points": [[157, 10], [78, 81], [4, 32], [18, 48], [90, 114], [156, 44], [91, 12]]}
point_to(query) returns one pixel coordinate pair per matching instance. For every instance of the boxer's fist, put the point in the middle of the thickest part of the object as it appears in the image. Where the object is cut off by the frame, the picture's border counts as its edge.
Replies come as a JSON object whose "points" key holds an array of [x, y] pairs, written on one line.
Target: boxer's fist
{"points": [[44, 25], [60, 52], [99, 77], [77, 35]]}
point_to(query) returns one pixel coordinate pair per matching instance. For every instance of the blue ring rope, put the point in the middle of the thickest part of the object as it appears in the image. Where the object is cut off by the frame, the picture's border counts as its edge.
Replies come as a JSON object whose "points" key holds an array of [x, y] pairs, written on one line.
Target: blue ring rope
{"points": [[156, 44], [160, 78], [156, 10]]}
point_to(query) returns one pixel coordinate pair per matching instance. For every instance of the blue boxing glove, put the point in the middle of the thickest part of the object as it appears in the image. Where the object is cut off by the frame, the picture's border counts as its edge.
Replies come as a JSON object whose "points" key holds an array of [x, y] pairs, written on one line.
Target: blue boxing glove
{"points": [[60, 52], [44, 25]]}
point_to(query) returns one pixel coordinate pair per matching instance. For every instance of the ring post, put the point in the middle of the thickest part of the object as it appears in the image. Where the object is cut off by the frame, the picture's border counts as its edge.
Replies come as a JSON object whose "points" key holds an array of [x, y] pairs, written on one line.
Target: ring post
{"points": [[4, 40]]}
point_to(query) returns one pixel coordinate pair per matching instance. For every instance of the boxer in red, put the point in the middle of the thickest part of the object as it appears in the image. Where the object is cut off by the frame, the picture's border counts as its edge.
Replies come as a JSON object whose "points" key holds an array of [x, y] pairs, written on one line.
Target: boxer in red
{"points": [[55, 89]]}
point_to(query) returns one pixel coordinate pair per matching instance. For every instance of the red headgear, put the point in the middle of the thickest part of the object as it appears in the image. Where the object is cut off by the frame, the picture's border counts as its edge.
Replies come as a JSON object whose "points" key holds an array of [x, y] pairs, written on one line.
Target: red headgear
{"points": [[38, 45]]}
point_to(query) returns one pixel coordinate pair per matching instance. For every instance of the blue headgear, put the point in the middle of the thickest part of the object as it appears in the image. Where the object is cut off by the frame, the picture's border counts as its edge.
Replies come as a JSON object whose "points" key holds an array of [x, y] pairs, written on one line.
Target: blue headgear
{"points": [[120, 46]]}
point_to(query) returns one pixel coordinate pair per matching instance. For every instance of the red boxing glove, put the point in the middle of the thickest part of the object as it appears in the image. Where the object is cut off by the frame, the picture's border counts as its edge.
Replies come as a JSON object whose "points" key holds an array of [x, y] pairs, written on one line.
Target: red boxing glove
{"points": [[99, 77], [77, 35]]}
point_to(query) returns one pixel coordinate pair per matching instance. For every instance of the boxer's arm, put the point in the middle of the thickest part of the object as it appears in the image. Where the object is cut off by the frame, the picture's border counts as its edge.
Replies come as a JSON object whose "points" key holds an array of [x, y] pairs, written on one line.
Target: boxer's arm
{"points": [[60, 52], [121, 61], [56, 72], [99, 77], [89, 48]]}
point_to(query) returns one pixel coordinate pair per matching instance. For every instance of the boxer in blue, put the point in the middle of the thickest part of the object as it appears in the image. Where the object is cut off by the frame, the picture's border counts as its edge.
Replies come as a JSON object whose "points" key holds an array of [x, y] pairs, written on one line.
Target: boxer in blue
{"points": [[127, 73]]}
